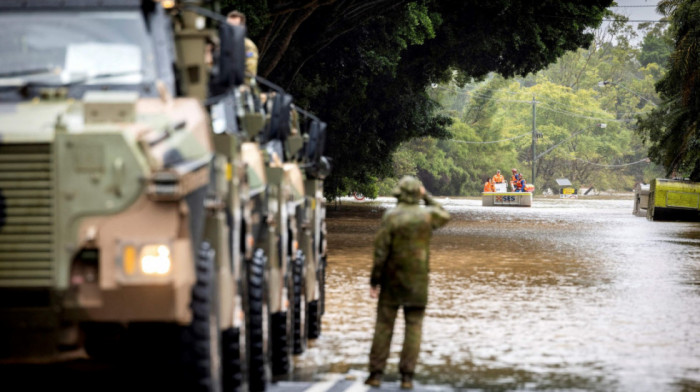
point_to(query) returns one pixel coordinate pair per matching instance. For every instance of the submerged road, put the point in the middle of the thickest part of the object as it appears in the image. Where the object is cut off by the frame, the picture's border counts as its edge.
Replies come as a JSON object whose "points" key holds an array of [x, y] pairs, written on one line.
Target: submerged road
{"points": [[566, 295]]}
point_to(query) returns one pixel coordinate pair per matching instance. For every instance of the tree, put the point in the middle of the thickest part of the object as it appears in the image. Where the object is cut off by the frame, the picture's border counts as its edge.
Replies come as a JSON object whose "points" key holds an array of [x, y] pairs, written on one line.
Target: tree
{"points": [[671, 129], [363, 65], [657, 46], [492, 122]]}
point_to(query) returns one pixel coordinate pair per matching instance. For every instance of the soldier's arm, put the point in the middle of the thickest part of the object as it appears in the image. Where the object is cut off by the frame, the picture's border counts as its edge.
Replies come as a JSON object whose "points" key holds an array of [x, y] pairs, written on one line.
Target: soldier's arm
{"points": [[382, 246], [438, 215]]}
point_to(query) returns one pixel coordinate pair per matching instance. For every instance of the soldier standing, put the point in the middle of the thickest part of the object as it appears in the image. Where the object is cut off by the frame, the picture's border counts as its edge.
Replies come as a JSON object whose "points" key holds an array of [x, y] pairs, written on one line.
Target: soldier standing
{"points": [[401, 251]]}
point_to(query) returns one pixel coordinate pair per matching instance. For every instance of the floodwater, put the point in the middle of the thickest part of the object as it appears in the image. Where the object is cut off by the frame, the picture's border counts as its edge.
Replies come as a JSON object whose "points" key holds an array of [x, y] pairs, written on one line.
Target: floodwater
{"points": [[566, 295]]}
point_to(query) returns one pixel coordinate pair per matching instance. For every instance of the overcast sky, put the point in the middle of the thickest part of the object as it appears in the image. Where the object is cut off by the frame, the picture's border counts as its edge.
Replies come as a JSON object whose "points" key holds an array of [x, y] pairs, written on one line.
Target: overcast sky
{"points": [[637, 9]]}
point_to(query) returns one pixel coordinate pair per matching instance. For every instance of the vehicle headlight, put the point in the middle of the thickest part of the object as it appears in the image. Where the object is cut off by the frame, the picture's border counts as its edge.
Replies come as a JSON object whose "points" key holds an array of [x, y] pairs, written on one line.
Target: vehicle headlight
{"points": [[155, 260], [149, 261]]}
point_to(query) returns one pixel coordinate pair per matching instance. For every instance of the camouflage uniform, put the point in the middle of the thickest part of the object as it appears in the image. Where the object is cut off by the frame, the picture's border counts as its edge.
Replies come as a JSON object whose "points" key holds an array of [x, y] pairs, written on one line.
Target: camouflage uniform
{"points": [[401, 251], [251, 58]]}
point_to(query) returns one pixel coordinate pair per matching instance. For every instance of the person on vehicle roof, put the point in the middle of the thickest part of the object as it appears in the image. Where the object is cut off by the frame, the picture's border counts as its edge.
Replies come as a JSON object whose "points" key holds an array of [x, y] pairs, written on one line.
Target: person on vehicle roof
{"points": [[489, 186]]}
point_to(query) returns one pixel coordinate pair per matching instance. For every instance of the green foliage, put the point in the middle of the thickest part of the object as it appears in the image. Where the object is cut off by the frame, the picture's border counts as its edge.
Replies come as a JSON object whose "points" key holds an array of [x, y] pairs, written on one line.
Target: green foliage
{"points": [[570, 106], [363, 66], [671, 129], [656, 47]]}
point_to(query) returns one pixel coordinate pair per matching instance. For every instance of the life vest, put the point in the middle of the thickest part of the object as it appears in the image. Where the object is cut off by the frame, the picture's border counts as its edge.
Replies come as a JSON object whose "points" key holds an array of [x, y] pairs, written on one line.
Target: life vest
{"points": [[488, 187], [498, 178]]}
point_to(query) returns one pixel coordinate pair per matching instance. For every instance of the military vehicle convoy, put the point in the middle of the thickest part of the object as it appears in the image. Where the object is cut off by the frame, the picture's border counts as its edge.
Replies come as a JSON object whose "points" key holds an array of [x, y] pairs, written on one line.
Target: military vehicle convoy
{"points": [[154, 207]]}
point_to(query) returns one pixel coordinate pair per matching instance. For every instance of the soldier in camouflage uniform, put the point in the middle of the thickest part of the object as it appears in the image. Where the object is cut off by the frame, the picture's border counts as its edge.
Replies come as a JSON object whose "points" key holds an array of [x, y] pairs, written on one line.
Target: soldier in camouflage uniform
{"points": [[401, 251]]}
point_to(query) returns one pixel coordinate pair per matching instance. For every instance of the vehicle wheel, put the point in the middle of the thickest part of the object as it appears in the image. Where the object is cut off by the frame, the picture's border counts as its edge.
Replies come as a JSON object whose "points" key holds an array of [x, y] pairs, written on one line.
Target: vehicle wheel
{"points": [[231, 351], [299, 304], [314, 317], [256, 332], [314, 309], [202, 338], [280, 347], [322, 283]]}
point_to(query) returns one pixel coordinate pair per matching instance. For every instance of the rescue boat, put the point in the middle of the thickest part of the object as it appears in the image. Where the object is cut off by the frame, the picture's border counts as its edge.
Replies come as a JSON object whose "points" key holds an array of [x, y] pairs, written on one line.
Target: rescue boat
{"points": [[507, 199]]}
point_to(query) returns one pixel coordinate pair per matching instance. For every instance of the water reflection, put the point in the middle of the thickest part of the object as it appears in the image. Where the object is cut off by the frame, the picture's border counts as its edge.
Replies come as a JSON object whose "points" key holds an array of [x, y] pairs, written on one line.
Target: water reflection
{"points": [[568, 294]]}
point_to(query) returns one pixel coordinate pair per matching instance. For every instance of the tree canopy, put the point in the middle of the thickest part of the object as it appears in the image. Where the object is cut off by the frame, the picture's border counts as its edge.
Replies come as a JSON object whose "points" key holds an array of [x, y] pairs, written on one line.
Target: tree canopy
{"points": [[492, 122], [671, 129], [363, 66]]}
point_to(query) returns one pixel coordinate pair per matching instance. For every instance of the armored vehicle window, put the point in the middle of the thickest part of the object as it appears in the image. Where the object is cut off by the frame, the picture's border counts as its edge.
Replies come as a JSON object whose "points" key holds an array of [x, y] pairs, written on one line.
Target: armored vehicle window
{"points": [[86, 48]]}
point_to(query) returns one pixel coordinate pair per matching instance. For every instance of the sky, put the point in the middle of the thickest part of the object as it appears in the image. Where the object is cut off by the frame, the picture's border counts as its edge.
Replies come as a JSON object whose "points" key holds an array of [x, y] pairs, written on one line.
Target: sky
{"points": [[637, 9]]}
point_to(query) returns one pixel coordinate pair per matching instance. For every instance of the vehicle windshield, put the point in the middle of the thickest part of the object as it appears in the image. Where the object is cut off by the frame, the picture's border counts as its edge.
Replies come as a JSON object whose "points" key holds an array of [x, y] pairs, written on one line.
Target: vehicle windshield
{"points": [[66, 47]]}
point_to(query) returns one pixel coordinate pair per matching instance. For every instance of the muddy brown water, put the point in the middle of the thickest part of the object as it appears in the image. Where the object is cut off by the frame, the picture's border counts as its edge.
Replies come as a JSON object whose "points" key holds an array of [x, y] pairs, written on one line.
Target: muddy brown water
{"points": [[568, 294]]}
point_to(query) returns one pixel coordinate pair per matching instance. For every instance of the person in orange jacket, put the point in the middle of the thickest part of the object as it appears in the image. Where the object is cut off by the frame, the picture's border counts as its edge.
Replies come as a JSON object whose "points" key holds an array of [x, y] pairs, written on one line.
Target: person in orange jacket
{"points": [[513, 179], [498, 178], [489, 186]]}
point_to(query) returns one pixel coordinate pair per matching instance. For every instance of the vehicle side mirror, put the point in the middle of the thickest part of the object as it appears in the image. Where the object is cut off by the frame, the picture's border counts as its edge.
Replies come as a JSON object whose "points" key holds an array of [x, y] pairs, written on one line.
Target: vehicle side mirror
{"points": [[317, 141], [231, 62], [320, 166], [278, 127]]}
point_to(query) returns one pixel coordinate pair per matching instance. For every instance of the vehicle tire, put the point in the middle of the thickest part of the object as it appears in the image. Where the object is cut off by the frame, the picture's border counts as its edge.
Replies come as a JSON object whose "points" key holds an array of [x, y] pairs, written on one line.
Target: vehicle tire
{"points": [[202, 338], [315, 307], [322, 282], [299, 304], [231, 352], [256, 333], [280, 346], [314, 320]]}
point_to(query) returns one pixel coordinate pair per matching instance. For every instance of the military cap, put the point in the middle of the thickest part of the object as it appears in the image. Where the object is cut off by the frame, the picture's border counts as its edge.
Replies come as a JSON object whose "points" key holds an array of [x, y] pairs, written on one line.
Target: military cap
{"points": [[408, 186]]}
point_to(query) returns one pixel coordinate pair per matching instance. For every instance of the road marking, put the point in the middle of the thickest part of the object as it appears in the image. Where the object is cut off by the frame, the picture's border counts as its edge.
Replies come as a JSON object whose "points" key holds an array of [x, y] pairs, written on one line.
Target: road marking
{"points": [[324, 386], [358, 387]]}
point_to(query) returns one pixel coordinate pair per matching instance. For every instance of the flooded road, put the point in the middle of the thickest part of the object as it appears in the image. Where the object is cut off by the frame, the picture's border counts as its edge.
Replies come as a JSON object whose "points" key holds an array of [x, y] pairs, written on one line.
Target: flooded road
{"points": [[568, 294]]}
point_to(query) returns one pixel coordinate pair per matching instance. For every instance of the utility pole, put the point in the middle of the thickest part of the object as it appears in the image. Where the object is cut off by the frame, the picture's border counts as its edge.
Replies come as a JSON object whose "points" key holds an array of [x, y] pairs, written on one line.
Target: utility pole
{"points": [[534, 139]]}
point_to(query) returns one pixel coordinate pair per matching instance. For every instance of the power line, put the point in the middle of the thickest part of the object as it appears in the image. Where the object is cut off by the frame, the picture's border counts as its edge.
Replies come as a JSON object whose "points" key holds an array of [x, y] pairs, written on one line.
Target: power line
{"points": [[645, 160], [609, 19], [545, 107], [477, 95], [488, 142]]}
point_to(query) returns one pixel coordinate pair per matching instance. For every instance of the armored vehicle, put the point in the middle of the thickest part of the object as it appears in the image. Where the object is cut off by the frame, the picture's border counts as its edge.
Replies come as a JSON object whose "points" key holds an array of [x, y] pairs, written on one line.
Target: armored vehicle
{"points": [[136, 224], [115, 229]]}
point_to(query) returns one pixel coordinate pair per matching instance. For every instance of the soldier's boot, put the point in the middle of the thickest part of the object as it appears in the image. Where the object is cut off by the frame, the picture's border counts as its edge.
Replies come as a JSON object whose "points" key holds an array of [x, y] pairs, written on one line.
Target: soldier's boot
{"points": [[406, 381], [374, 380]]}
